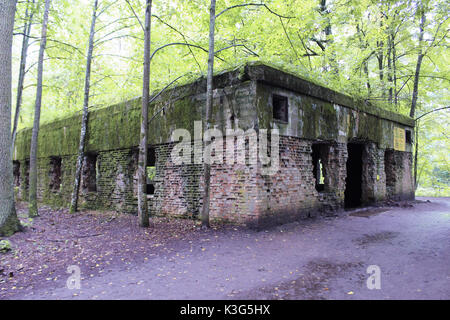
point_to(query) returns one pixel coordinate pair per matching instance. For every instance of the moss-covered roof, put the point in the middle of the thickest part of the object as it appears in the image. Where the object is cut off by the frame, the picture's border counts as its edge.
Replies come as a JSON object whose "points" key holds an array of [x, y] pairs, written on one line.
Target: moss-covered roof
{"points": [[276, 77]]}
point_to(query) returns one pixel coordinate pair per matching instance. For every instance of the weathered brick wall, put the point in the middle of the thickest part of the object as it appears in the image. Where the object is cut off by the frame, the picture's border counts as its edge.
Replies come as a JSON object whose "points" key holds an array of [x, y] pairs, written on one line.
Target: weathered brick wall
{"points": [[373, 175], [334, 163], [291, 193], [236, 186], [177, 187], [239, 193], [399, 179], [115, 182]]}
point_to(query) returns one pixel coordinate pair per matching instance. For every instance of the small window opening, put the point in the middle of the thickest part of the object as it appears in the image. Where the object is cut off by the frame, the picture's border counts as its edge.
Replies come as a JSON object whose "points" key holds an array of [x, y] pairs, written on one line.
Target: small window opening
{"points": [[55, 173], [151, 170], [90, 172], [280, 108], [318, 168], [390, 170], [16, 171], [408, 136]]}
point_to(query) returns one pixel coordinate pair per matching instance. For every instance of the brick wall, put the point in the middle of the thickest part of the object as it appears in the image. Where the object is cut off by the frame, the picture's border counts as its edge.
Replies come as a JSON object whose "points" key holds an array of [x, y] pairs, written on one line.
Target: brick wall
{"points": [[374, 175], [240, 194], [399, 179]]}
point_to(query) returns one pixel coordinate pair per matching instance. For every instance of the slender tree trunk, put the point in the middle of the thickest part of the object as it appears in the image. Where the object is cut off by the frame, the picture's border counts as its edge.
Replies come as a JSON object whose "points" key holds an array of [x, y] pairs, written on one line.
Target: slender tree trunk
{"points": [[84, 119], [394, 71], [389, 72], [363, 45], [32, 206], [23, 63], [416, 154], [380, 59], [8, 218], [142, 161], [366, 71], [209, 102], [328, 33], [418, 65]]}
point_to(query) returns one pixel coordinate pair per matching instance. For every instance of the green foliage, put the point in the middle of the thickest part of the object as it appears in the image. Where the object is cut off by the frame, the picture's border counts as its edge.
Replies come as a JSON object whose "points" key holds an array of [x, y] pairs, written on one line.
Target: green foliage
{"points": [[151, 173], [433, 166]]}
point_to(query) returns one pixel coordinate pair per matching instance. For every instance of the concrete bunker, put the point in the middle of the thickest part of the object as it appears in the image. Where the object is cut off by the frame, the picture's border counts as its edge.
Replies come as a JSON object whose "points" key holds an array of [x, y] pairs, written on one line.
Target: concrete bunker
{"points": [[335, 152]]}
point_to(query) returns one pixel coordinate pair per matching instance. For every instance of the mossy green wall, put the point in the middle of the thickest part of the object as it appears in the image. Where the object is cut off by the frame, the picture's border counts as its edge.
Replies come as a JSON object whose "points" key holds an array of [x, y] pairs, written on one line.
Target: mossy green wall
{"points": [[115, 127], [316, 119]]}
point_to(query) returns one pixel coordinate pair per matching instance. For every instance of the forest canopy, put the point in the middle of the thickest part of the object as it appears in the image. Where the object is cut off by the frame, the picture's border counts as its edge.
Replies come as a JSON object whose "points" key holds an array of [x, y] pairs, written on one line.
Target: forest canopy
{"points": [[391, 53]]}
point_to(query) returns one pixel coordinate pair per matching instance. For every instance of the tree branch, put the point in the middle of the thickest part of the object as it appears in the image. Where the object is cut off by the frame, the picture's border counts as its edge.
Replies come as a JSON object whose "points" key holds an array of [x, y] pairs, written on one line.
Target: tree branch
{"points": [[161, 92], [426, 113], [253, 4], [134, 13], [237, 45]]}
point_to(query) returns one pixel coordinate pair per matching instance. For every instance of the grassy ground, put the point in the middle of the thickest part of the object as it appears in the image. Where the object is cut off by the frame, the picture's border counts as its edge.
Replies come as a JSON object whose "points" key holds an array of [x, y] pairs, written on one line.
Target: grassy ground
{"points": [[433, 192]]}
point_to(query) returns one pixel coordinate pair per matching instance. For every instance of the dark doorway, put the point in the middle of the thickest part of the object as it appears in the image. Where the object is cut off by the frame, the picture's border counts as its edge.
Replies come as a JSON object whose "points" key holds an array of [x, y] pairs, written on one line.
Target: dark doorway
{"points": [[354, 176], [55, 173], [151, 170], [90, 172]]}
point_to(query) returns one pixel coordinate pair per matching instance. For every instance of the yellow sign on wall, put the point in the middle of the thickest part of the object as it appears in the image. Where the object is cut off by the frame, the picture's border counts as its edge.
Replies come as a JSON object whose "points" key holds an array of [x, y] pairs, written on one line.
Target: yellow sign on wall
{"points": [[399, 139]]}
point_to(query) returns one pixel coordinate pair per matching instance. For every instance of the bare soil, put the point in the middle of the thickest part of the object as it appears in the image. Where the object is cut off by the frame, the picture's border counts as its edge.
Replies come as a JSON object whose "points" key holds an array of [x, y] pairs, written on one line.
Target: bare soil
{"points": [[324, 258]]}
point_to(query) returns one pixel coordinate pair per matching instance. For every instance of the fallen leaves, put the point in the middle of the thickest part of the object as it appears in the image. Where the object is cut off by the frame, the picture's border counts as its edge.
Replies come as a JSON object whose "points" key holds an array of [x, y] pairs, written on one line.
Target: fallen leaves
{"points": [[95, 241]]}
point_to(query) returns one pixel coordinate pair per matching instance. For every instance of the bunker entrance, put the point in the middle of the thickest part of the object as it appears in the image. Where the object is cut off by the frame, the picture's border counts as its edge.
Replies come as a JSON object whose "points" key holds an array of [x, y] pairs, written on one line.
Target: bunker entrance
{"points": [[151, 170], [353, 181], [55, 173]]}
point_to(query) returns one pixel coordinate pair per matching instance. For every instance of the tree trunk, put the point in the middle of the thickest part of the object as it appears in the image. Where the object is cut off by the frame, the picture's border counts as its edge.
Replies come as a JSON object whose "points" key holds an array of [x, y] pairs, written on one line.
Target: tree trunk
{"points": [[389, 72], [416, 154], [418, 65], [394, 71], [328, 34], [380, 59], [23, 63], [84, 119], [363, 45], [142, 161], [209, 102], [8, 218], [32, 206]]}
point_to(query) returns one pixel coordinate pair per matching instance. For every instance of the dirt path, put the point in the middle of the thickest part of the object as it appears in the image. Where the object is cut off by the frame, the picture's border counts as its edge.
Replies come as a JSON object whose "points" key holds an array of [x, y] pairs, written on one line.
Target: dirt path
{"points": [[313, 259]]}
